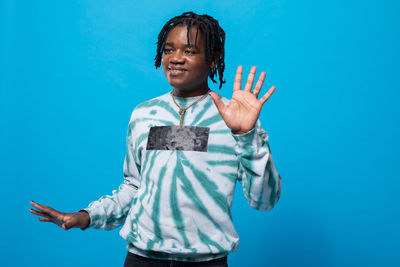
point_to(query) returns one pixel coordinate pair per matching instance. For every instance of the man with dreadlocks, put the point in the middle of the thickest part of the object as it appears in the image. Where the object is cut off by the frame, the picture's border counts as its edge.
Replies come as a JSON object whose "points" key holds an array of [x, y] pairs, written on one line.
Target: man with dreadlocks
{"points": [[185, 151]]}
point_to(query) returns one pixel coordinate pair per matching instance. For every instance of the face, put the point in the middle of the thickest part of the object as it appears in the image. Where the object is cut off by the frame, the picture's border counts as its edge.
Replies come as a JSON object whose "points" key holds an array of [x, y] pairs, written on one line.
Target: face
{"points": [[184, 66]]}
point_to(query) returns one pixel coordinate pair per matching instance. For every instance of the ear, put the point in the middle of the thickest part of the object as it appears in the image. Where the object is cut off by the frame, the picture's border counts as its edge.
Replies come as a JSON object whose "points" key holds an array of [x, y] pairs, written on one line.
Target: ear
{"points": [[213, 64]]}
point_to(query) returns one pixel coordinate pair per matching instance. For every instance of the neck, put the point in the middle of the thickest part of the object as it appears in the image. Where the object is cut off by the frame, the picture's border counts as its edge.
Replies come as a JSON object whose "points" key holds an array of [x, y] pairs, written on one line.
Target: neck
{"points": [[190, 93]]}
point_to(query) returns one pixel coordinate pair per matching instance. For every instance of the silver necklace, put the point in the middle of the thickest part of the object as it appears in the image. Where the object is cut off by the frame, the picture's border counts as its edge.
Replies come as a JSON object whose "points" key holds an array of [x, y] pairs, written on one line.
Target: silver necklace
{"points": [[183, 110]]}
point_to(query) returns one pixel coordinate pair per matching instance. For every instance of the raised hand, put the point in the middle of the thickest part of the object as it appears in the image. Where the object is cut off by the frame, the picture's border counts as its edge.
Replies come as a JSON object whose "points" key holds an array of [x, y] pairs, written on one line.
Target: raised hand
{"points": [[243, 110], [64, 220]]}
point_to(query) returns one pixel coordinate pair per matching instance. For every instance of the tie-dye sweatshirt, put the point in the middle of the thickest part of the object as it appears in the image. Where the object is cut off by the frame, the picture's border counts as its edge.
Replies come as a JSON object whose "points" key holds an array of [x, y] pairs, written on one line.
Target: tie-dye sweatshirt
{"points": [[175, 203]]}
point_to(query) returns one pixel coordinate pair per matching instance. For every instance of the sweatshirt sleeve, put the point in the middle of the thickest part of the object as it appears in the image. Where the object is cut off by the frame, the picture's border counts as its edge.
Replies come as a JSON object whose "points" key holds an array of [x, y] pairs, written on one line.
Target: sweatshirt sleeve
{"points": [[257, 174], [109, 212]]}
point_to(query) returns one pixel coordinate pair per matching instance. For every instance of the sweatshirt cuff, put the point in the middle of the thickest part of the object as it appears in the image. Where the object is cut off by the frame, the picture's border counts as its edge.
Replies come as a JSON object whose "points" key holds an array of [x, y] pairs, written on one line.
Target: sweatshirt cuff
{"points": [[245, 142]]}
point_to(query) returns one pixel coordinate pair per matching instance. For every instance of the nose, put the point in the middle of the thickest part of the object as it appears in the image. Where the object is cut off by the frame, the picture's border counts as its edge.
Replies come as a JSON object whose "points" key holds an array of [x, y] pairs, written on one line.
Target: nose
{"points": [[177, 58]]}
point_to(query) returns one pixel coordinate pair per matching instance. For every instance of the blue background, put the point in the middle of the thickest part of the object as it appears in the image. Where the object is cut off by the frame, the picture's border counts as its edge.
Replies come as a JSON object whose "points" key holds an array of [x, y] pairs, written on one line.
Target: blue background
{"points": [[72, 71]]}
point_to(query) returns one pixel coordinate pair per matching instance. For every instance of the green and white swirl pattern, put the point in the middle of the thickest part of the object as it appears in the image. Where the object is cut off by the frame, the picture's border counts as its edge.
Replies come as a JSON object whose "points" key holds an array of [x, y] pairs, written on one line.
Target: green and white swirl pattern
{"points": [[176, 204]]}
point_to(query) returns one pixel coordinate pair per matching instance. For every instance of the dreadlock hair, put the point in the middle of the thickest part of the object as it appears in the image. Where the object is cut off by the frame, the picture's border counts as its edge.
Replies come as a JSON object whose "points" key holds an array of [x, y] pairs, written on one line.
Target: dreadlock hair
{"points": [[213, 35]]}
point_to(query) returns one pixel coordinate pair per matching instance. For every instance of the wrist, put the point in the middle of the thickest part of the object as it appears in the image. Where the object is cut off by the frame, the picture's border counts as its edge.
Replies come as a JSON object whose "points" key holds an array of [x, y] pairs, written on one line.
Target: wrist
{"points": [[83, 219], [239, 132]]}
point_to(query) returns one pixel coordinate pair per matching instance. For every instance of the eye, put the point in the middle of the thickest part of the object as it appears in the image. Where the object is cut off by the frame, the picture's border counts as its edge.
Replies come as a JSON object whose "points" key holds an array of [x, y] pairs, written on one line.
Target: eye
{"points": [[189, 52], [167, 50]]}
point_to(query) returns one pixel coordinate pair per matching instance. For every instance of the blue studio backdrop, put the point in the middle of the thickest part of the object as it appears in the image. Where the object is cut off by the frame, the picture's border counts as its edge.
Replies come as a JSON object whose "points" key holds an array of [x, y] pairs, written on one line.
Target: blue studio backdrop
{"points": [[71, 72]]}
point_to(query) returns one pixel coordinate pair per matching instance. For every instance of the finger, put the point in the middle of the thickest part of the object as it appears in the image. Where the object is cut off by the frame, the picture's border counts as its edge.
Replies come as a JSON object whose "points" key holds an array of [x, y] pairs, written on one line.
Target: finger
{"points": [[65, 226], [37, 206], [238, 79], [45, 220], [259, 83], [39, 213], [250, 79], [45, 209], [267, 95], [50, 220], [218, 102]]}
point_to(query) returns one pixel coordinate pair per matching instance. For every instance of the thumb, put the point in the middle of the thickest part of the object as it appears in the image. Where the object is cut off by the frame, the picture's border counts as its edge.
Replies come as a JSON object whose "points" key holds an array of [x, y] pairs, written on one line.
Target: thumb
{"points": [[218, 102], [65, 226]]}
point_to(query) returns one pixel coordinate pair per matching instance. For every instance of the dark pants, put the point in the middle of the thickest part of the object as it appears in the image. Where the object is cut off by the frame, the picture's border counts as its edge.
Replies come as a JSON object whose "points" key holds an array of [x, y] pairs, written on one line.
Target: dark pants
{"points": [[133, 260]]}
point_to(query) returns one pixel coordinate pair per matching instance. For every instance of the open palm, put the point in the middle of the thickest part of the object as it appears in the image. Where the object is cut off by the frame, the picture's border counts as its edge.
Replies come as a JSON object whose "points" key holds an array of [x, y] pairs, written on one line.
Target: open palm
{"points": [[242, 112]]}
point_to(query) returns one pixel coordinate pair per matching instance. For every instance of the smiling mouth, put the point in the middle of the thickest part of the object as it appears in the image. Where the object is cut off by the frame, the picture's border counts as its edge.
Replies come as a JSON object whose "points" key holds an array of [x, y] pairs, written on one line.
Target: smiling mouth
{"points": [[176, 71]]}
